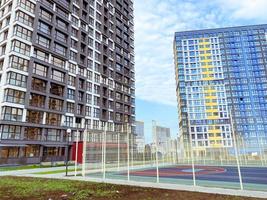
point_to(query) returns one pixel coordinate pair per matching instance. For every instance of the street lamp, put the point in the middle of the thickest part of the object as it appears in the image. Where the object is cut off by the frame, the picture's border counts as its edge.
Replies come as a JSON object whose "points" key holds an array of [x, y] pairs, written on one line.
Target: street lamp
{"points": [[67, 149]]}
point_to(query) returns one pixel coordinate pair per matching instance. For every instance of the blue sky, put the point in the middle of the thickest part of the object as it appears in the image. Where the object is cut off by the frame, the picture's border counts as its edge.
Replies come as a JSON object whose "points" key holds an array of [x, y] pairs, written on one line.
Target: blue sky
{"points": [[155, 24]]}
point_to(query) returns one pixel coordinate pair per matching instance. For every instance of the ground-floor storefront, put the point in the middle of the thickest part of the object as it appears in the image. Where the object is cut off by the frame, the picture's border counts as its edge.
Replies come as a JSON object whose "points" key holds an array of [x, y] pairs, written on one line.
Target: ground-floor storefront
{"points": [[22, 154]]}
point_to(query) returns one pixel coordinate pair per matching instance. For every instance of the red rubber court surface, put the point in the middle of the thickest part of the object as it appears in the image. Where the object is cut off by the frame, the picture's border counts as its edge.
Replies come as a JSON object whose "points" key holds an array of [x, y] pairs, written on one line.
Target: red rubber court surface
{"points": [[180, 171], [256, 175]]}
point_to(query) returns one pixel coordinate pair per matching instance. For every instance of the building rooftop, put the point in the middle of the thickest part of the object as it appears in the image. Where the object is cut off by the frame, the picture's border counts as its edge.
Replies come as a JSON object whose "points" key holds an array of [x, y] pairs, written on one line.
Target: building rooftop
{"points": [[188, 32]]}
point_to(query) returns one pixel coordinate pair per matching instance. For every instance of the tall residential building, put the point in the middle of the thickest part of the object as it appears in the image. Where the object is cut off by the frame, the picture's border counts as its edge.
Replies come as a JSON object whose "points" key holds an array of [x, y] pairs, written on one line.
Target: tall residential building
{"points": [[65, 64], [140, 136], [140, 129], [161, 137], [222, 74]]}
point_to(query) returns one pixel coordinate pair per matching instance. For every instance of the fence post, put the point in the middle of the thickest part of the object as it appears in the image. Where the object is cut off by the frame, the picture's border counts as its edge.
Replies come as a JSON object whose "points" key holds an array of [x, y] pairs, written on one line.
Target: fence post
{"points": [[236, 153], [84, 152], [76, 153]]}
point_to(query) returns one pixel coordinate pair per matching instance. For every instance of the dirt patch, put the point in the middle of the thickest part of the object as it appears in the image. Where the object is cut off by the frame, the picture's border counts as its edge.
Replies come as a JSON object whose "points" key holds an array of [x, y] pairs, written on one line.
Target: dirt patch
{"points": [[18, 188]]}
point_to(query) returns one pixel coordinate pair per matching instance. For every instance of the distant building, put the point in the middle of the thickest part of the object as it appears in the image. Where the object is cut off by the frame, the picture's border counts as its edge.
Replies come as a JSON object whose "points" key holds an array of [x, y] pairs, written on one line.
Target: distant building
{"points": [[161, 138], [140, 136], [140, 128]]}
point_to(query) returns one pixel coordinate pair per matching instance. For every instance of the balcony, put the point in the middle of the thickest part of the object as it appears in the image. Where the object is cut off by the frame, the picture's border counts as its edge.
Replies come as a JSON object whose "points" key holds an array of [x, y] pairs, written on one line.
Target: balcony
{"points": [[39, 85], [57, 90], [35, 117]]}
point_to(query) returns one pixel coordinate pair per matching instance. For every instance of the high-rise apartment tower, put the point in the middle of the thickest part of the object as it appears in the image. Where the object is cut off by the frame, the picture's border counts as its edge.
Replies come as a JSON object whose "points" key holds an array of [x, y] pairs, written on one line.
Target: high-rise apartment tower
{"points": [[64, 64], [221, 74]]}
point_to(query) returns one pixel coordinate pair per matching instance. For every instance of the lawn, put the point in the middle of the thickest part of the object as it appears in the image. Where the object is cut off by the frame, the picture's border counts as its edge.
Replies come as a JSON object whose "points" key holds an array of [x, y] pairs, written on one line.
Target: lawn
{"points": [[20, 188]]}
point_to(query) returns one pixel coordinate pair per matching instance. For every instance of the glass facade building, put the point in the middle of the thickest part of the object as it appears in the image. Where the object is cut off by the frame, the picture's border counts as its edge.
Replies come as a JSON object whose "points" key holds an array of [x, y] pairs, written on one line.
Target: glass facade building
{"points": [[221, 77]]}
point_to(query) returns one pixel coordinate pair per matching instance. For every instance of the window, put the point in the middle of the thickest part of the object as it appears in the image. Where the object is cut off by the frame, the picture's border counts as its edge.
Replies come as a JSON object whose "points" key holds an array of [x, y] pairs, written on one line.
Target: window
{"points": [[62, 24], [55, 104], [71, 94], [57, 90], [46, 15], [45, 28], [60, 49], [9, 152], [58, 62], [32, 133], [73, 56], [73, 43], [43, 41], [88, 98], [18, 63], [14, 96], [79, 109], [96, 113], [11, 113], [1, 64], [95, 124], [89, 86], [75, 21], [41, 55], [10, 132], [27, 5], [53, 135], [37, 100], [70, 107], [74, 32], [69, 121], [88, 111], [48, 3], [90, 63], [40, 70], [22, 32], [16, 79], [80, 96], [5, 35], [72, 68], [21, 47], [39, 85], [53, 119], [61, 36], [62, 12], [97, 78], [32, 151], [7, 21], [96, 101], [81, 83], [96, 89], [89, 75], [58, 76], [71, 81], [24, 18], [35, 117]]}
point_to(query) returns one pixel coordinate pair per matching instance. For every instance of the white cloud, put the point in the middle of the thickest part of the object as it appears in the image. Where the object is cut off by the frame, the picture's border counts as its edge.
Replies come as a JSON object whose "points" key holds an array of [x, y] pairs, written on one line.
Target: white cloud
{"points": [[245, 9], [155, 24]]}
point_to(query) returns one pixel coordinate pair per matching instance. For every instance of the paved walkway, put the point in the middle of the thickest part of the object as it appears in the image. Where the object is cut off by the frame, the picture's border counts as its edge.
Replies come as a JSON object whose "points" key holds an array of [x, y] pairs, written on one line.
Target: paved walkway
{"points": [[31, 171]]}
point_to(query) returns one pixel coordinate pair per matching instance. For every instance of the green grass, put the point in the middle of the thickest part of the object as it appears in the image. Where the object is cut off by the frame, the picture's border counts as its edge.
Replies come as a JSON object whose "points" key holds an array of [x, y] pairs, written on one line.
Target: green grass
{"points": [[29, 188]]}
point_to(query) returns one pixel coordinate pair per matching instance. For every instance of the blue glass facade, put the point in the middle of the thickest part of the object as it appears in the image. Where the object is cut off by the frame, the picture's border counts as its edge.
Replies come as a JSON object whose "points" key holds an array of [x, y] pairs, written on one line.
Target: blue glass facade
{"points": [[226, 61]]}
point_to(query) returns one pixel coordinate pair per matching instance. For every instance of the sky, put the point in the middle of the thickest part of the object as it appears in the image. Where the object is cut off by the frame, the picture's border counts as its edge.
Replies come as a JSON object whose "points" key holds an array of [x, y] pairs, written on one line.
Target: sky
{"points": [[156, 21]]}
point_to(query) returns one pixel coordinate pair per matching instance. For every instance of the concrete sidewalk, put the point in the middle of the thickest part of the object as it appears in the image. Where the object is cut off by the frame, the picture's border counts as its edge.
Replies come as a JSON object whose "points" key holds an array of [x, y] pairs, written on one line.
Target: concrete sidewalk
{"points": [[31, 171]]}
